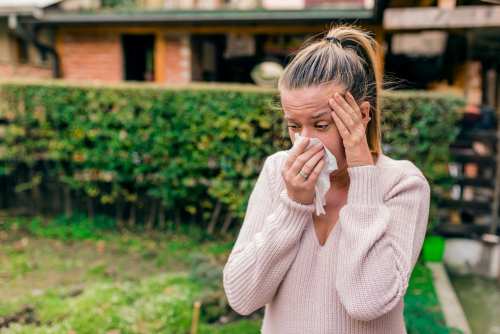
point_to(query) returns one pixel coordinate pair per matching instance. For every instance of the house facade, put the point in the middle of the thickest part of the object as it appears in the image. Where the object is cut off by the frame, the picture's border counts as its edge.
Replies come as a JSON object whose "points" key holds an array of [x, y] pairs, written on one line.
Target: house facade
{"points": [[175, 42]]}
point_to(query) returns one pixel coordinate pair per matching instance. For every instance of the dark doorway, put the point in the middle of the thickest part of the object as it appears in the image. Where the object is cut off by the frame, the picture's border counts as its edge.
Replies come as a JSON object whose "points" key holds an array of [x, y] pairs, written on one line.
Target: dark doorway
{"points": [[138, 53]]}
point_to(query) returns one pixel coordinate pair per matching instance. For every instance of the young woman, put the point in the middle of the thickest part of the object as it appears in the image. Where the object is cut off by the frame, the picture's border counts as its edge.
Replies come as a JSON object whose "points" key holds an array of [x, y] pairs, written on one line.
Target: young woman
{"points": [[345, 271]]}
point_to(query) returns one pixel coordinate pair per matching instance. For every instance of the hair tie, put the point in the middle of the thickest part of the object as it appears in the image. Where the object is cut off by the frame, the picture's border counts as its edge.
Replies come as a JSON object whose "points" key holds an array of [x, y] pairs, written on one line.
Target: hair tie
{"points": [[333, 39]]}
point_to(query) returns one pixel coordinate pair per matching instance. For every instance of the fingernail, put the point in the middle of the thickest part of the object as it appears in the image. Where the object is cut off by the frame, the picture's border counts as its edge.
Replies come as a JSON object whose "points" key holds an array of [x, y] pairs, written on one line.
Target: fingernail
{"points": [[337, 96], [349, 95], [319, 145], [333, 102]]}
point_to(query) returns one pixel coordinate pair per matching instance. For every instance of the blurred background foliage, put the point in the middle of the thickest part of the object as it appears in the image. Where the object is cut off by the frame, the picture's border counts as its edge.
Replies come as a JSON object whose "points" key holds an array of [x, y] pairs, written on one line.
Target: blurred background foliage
{"points": [[166, 155]]}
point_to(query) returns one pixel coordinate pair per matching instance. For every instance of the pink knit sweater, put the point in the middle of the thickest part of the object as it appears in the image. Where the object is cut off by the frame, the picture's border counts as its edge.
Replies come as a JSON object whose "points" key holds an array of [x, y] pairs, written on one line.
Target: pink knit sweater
{"points": [[353, 284]]}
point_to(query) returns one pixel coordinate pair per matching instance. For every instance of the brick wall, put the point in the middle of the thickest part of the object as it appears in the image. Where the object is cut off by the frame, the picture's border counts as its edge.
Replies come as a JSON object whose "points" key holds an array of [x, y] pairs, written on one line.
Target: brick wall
{"points": [[92, 57], [100, 57], [9, 70], [177, 59]]}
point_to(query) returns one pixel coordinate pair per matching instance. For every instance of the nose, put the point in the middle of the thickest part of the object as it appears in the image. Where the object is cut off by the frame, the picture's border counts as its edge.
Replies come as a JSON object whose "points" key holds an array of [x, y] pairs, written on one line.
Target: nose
{"points": [[305, 132]]}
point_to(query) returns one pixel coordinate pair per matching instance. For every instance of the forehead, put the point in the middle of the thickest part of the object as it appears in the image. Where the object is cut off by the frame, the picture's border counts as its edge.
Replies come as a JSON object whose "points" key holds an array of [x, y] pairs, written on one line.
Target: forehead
{"points": [[307, 100]]}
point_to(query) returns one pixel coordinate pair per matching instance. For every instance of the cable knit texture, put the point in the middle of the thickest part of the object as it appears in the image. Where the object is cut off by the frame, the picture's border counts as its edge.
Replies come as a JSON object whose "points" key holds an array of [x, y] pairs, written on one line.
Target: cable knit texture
{"points": [[356, 281]]}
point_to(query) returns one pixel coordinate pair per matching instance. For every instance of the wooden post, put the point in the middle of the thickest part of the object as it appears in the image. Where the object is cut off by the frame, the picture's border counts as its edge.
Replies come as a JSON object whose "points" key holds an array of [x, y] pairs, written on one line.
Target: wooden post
{"points": [[496, 196], [497, 177], [196, 317]]}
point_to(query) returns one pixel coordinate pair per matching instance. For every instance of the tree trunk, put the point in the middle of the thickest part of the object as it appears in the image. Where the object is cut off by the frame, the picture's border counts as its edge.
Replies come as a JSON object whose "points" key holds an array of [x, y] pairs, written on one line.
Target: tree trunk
{"points": [[192, 221], [90, 207], [215, 217], [36, 193], [177, 220], [23, 199], [152, 214], [226, 224], [10, 190], [68, 211], [161, 217], [119, 212], [132, 218]]}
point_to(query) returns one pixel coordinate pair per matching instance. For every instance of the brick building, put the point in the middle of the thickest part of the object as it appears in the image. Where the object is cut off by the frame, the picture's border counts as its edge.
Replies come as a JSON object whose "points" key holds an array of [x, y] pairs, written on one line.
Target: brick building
{"points": [[183, 41], [19, 56]]}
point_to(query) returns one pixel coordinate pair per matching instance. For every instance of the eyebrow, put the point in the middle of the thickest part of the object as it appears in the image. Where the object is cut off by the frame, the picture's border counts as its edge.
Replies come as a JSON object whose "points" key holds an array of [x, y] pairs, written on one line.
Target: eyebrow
{"points": [[313, 117]]}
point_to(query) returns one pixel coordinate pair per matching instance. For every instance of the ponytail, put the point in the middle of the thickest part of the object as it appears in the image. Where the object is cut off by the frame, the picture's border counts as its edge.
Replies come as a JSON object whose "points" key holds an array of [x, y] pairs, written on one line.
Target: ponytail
{"points": [[347, 57]]}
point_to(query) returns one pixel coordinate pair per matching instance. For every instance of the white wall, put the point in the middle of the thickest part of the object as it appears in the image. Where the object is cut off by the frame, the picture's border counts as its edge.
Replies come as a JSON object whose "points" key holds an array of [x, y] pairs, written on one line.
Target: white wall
{"points": [[283, 4], [463, 255]]}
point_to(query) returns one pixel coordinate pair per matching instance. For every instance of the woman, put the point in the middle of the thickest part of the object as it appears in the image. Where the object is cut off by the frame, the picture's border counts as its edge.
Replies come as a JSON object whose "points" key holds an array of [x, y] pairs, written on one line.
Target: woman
{"points": [[345, 271]]}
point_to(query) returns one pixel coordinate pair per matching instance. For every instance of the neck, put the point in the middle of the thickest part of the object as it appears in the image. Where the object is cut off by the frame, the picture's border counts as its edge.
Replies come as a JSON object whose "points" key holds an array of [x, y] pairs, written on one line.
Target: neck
{"points": [[340, 180]]}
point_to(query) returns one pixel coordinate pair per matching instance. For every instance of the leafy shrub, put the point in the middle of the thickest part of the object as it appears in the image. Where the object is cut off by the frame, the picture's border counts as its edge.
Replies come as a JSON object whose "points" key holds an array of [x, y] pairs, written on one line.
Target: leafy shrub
{"points": [[191, 147], [419, 126]]}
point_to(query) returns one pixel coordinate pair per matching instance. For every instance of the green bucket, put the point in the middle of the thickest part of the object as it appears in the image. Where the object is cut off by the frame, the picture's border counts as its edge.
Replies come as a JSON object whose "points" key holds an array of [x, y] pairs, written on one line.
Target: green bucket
{"points": [[433, 248]]}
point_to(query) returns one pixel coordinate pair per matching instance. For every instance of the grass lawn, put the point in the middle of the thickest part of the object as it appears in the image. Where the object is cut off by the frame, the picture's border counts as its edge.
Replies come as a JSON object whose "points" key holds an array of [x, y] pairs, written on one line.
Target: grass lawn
{"points": [[422, 311], [69, 276]]}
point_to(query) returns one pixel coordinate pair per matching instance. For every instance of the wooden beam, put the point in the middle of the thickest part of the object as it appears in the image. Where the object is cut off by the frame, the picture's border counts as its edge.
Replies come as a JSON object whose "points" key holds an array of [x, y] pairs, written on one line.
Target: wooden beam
{"points": [[60, 51], [131, 30], [425, 3], [220, 29], [159, 58]]}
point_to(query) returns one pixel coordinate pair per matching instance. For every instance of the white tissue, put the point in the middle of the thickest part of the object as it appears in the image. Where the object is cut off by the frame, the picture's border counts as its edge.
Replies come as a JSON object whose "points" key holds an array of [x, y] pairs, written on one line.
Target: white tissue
{"points": [[323, 182]]}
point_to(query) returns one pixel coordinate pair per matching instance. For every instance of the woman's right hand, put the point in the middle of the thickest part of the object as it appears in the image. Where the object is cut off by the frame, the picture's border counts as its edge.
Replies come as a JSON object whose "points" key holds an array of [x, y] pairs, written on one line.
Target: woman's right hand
{"points": [[311, 162]]}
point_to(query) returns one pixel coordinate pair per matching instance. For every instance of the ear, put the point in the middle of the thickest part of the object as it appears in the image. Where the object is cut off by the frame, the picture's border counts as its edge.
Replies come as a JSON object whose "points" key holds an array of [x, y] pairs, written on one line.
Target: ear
{"points": [[365, 113]]}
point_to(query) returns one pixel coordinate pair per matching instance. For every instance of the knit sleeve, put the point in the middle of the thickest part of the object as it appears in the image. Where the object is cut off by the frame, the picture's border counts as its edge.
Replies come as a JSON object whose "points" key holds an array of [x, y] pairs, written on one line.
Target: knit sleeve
{"points": [[380, 241], [266, 246]]}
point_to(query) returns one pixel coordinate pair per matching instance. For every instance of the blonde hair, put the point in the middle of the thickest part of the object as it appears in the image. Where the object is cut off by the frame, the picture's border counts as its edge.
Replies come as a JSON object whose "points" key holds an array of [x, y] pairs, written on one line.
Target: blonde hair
{"points": [[348, 58]]}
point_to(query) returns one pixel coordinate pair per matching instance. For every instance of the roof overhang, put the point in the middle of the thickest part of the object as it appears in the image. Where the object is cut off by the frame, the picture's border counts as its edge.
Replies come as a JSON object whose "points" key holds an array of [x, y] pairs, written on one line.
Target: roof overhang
{"points": [[436, 18], [24, 7], [206, 17]]}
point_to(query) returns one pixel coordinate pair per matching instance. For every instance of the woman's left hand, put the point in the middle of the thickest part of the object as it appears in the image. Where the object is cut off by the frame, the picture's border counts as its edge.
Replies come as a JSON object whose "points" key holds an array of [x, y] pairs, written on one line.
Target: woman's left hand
{"points": [[348, 118]]}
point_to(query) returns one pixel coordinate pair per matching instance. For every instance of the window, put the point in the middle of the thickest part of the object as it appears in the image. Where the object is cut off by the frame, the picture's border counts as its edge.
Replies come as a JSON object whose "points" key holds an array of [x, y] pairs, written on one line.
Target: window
{"points": [[138, 51]]}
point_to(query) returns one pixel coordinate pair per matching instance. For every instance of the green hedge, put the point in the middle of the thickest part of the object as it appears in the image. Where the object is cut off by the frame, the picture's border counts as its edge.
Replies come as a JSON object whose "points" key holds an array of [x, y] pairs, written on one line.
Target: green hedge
{"points": [[194, 148]]}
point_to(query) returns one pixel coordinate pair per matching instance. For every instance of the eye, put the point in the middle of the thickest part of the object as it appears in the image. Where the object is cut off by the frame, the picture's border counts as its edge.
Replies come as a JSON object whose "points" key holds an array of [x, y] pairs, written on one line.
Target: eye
{"points": [[293, 127], [322, 126]]}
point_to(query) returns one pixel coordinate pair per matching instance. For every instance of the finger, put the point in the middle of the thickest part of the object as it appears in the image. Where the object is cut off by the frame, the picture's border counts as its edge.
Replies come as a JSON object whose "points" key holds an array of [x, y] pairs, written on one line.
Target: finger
{"points": [[354, 107], [313, 176], [342, 109], [303, 158], [295, 152], [346, 120], [344, 132], [309, 165], [346, 105]]}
